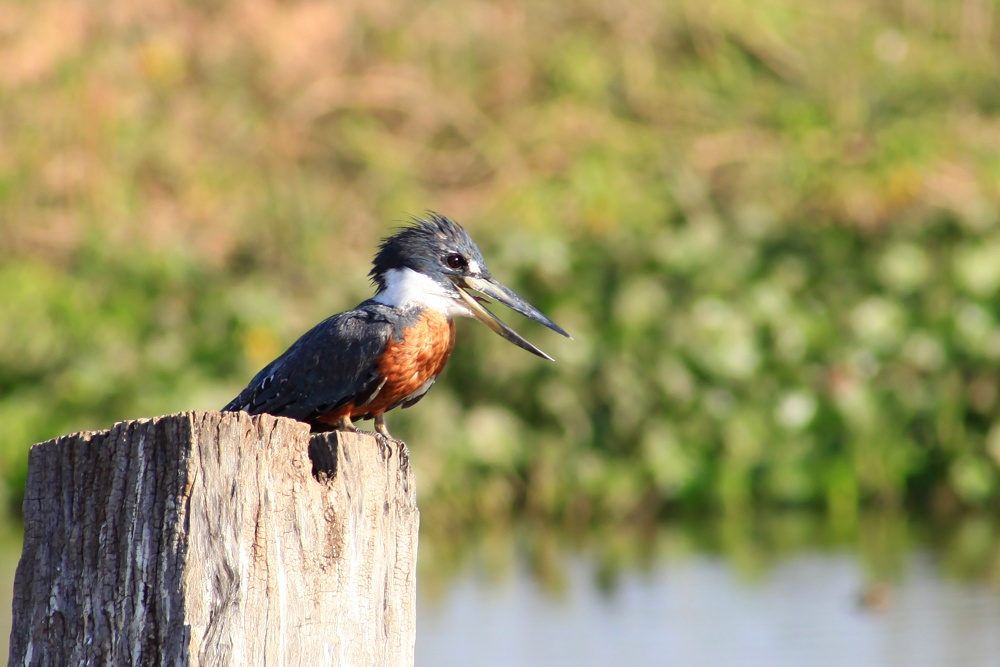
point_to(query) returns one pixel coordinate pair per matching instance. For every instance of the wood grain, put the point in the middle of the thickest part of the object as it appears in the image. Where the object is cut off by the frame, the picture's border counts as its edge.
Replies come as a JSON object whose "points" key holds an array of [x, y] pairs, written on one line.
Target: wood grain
{"points": [[207, 538]]}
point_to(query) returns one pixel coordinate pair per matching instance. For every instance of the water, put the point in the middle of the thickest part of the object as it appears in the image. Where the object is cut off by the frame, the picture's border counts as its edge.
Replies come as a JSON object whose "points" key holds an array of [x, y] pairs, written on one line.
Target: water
{"points": [[698, 612], [783, 591], [890, 593]]}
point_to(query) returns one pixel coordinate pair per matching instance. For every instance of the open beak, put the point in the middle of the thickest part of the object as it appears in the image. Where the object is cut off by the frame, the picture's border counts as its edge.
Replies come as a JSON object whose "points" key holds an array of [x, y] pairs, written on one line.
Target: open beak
{"points": [[494, 290]]}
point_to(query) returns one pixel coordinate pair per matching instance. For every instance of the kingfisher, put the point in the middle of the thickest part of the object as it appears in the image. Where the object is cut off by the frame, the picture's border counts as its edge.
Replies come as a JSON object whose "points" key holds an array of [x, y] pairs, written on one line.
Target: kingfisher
{"points": [[388, 351]]}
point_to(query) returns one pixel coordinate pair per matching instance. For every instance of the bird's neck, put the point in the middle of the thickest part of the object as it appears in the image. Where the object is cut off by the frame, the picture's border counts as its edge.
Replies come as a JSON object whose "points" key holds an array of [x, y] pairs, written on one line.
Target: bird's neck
{"points": [[408, 289]]}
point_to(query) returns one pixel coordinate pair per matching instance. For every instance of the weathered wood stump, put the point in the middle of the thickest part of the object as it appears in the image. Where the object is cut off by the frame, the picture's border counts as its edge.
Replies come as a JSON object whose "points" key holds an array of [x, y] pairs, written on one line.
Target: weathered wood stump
{"points": [[207, 538]]}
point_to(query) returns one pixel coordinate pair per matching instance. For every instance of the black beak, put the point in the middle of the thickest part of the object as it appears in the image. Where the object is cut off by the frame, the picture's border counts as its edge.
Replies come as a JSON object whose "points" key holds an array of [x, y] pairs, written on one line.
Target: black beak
{"points": [[496, 291]]}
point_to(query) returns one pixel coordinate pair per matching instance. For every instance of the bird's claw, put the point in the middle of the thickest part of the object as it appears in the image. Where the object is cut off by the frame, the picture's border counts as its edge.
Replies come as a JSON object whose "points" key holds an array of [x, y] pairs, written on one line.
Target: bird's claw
{"points": [[386, 443], [404, 454]]}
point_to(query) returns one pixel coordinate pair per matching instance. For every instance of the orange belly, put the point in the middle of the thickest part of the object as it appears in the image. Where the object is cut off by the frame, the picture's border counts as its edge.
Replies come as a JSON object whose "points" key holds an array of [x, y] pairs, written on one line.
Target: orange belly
{"points": [[406, 365]]}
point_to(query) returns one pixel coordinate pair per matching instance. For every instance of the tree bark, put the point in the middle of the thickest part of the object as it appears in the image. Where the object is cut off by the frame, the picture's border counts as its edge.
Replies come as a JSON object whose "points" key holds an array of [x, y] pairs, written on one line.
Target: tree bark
{"points": [[207, 538]]}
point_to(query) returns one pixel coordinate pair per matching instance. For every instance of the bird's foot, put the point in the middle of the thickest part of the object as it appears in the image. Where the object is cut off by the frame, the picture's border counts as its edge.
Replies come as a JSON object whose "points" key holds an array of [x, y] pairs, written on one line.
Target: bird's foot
{"points": [[384, 445], [404, 453], [387, 443], [386, 439]]}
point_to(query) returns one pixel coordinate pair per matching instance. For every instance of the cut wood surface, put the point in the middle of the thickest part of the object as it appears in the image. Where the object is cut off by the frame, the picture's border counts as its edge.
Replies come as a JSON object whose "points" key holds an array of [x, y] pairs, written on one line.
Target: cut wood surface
{"points": [[207, 538]]}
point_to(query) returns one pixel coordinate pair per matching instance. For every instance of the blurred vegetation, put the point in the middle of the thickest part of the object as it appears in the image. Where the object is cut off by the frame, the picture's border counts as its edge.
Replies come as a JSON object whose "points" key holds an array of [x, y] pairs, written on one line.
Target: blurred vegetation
{"points": [[883, 542], [773, 229]]}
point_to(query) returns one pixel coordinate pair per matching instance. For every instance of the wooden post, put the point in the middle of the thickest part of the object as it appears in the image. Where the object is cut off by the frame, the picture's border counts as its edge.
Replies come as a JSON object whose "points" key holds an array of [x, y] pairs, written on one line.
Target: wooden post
{"points": [[207, 538]]}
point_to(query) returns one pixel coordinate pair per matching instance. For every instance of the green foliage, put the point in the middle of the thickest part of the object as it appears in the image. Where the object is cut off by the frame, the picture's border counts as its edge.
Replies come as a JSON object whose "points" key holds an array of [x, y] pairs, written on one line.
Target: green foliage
{"points": [[796, 372], [772, 229]]}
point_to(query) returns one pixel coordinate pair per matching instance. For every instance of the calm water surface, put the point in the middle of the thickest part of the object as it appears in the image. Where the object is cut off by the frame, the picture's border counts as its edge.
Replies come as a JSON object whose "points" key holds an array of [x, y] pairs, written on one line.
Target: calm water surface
{"points": [[788, 593], [905, 602], [805, 612]]}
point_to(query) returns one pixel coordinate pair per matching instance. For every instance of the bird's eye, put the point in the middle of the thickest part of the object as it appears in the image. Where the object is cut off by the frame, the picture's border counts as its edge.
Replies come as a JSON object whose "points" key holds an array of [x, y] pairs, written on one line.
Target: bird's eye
{"points": [[455, 261]]}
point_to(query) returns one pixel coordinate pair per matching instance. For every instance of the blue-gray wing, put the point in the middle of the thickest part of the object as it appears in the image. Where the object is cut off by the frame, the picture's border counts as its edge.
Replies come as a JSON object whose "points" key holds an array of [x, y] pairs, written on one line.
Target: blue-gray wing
{"points": [[332, 364]]}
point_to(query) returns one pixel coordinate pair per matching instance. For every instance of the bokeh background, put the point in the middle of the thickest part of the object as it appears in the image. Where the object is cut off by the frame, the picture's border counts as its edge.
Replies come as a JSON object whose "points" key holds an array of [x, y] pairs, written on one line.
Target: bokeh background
{"points": [[773, 229]]}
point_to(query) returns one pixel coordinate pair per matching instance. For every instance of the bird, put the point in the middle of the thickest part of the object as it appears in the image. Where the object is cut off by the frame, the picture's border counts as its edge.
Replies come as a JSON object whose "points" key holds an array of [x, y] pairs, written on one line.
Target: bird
{"points": [[388, 351]]}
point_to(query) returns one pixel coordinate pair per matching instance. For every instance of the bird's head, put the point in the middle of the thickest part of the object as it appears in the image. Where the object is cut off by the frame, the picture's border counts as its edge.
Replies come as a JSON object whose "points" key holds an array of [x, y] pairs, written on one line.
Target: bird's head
{"points": [[434, 263]]}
